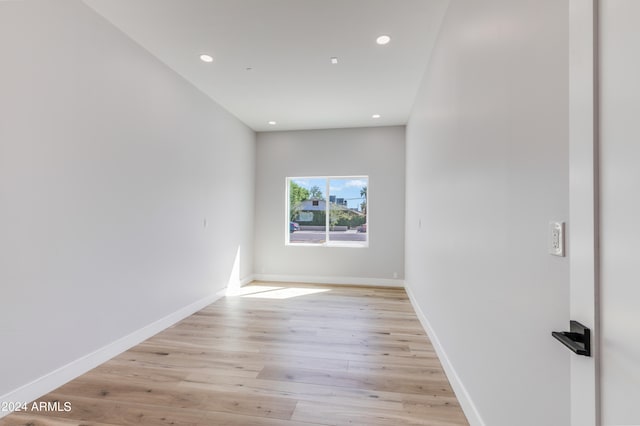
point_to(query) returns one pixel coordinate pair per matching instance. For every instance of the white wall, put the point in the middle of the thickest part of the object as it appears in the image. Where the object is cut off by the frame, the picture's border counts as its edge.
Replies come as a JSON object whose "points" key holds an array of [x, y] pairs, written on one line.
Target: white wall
{"points": [[620, 209], [377, 152], [487, 169], [109, 165]]}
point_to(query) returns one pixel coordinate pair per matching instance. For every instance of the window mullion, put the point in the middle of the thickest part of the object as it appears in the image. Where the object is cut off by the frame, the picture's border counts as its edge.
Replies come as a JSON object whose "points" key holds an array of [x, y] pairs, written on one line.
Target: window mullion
{"points": [[326, 211]]}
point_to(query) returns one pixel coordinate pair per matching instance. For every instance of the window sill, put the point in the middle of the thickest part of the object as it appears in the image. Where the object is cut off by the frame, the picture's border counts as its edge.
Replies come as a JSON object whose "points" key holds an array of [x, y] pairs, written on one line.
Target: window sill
{"points": [[347, 244]]}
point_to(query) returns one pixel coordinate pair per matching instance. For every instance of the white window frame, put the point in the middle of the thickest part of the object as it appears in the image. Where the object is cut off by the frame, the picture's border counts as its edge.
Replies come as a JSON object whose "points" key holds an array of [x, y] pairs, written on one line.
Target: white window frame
{"points": [[327, 243]]}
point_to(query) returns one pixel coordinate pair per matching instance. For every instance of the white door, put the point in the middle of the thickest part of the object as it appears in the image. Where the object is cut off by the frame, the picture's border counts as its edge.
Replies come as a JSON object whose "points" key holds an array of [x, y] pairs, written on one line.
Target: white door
{"points": [[604, 225], [583, 220], [619, 60]]}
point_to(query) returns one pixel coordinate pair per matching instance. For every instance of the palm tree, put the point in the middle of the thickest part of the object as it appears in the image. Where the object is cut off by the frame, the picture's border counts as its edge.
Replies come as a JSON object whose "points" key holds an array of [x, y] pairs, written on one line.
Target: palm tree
{"points": [[363, 194]]}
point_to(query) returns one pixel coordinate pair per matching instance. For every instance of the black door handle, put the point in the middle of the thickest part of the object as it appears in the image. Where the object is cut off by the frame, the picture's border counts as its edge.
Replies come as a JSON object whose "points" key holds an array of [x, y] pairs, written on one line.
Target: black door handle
{"points": [[578, 339]]}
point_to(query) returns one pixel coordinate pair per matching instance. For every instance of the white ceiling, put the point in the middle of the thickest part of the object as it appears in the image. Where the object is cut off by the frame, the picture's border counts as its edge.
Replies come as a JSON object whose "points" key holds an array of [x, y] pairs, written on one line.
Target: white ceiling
{"points": [[288, 45]]}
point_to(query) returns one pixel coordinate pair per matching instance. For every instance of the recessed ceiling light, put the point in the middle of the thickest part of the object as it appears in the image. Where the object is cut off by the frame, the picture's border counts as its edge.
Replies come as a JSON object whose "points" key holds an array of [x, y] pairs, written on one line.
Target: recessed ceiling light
{"points": [[272, 123], [383, 39], [206, 58], [334, 60], [375, 116]]}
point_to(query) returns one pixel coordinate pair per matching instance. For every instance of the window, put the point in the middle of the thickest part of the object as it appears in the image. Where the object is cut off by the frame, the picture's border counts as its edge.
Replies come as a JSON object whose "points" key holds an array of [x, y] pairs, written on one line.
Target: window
{"points": [[329, 211]]}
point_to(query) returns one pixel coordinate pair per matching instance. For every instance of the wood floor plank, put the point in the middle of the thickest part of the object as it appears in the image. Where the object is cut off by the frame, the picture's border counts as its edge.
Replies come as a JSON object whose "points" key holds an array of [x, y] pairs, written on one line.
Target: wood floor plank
{"points": [[328, 395], [139, 391], [343, 415], [276, 354], [398, 371], [401, 384], [89, 410], [31, 419]]}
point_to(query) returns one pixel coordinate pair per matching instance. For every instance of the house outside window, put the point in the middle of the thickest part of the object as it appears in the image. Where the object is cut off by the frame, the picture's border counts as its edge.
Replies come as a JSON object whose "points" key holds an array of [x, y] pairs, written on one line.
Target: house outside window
{"points": [[327, 211]]}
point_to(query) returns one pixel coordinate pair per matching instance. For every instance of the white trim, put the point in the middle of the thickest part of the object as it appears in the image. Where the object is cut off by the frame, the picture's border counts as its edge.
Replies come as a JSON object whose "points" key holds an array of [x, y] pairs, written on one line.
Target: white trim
{"points": [[584, 256], [239, 283], [469, 408], [332, 244], [53, 380], [314, 279], [327, 211], [246, 280], [233, 287]]}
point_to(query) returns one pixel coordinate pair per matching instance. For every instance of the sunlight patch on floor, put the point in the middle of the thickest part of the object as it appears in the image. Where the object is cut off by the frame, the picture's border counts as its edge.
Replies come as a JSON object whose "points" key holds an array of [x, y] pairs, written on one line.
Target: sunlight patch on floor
{"points": [[287, 293], [268, 292], [251, 289]]}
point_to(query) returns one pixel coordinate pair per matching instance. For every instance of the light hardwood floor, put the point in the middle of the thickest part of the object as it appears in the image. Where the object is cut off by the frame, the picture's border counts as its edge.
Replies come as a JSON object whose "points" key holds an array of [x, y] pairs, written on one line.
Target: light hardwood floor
{"points": [[278, 354]]}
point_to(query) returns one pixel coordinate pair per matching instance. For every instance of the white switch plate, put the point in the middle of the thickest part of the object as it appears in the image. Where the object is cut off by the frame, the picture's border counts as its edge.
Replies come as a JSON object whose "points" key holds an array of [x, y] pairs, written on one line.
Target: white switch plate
{"points": [[556, 238]]}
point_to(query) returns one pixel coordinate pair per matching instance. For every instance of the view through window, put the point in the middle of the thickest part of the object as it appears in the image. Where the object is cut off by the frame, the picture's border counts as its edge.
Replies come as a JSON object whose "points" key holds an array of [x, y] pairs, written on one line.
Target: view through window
{"points": [[328, 210]]}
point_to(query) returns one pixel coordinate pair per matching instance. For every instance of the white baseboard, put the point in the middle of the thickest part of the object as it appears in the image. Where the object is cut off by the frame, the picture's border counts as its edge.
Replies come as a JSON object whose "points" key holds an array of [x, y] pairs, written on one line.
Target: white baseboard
{"points": [[469, 408], [246, 280], [313, 279], [62, 375], [234, 285]]}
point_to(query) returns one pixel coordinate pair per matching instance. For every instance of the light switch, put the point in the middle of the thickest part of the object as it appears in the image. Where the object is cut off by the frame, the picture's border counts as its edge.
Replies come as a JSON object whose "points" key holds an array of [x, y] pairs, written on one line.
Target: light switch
{"points": [[556, 238]]}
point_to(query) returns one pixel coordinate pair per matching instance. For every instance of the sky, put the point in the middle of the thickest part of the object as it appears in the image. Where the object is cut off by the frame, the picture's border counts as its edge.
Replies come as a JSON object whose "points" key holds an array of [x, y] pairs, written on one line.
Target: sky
{"points": [[348, 188]]}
